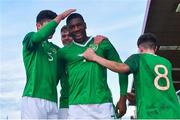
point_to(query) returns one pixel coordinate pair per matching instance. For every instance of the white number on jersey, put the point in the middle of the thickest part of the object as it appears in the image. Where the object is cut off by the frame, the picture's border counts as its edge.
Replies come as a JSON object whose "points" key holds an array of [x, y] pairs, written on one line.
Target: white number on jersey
{"points": [[50, 56], [159, 75]]}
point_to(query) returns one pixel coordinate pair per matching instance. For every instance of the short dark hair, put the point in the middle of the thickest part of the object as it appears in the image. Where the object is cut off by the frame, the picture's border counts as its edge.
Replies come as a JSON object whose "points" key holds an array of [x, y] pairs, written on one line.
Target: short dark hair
{"points": [[72, 16], [147, 40], [64, 28], [44, 15]]}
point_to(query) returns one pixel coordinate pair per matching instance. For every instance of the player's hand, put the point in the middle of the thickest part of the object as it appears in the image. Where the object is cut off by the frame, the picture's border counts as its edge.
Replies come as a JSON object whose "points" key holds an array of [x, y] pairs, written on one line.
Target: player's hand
{"points": [[89, 54], [121, 107], [131, 97], [67, 13], [98, 39]]}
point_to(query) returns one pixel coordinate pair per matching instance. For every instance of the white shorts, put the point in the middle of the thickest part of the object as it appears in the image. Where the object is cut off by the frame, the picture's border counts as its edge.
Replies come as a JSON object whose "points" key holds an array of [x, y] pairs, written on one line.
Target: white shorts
{"points": [[91, 111], [63, 113], [36, 108]]}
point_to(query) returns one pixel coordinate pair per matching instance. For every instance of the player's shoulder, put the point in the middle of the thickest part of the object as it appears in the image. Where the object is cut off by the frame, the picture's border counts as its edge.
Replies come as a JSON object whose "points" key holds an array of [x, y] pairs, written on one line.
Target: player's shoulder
{"points": [[28, 36], [67, 47], [98, 39], [105, 40], [134, 56], [164, 59], [55, 46], [105, 43], [70, 45]]}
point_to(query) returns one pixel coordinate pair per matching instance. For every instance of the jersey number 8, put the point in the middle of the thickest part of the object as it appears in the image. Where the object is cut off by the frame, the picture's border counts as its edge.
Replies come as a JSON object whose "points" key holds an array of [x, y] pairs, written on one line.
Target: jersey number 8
{"points": [[159, 75]]}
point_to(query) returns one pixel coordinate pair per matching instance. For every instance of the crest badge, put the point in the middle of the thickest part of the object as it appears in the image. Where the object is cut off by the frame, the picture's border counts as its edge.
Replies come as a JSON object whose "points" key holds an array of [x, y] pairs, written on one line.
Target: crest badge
{"points": [[93, 46]]}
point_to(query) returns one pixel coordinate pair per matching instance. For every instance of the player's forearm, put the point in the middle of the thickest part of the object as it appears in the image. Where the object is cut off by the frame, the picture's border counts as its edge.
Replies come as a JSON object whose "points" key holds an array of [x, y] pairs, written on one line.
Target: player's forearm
{"points": [[63, 15], [58, 18], [44, 32], [123, 83], [114, 66]]}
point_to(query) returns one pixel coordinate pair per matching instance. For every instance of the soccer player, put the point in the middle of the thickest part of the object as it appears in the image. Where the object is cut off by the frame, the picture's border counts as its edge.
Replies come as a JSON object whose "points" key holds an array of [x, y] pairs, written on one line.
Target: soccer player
{"points": [[155, 94], [65, 37], [63, 103], [89, 94], [39, 99], [63, 107]]}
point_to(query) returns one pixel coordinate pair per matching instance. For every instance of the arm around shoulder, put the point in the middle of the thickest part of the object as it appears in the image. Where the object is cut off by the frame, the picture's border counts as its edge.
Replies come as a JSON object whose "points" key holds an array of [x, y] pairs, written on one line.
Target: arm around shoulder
{"points": [[89, 54]]}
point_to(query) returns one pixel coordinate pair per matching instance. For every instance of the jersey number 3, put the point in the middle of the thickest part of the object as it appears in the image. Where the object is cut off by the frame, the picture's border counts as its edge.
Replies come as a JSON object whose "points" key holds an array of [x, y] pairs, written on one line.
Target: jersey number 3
{"points": [[159, 75], [50, 57]]}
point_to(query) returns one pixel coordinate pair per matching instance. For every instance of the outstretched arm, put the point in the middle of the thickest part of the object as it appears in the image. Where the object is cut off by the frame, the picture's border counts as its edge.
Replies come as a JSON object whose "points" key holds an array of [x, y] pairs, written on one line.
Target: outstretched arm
{"points": [[64, 15], [89, 54]]}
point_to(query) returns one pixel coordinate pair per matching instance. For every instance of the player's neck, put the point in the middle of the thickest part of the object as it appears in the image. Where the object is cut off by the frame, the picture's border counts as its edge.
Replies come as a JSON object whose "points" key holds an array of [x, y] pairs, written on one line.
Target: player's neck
{"points": [[83, 41], [148, 51], [86, 38]]}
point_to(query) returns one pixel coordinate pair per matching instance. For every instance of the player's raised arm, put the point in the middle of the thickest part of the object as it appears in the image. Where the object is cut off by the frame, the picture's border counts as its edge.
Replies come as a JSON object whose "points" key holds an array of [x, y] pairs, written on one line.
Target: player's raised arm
{"points": [[89, 54], [64, 15], [47, 29]]}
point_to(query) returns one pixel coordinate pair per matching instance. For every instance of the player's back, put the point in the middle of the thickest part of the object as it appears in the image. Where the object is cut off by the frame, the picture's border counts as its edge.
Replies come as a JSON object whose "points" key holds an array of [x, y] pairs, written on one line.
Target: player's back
{"points": [[156, 96]]}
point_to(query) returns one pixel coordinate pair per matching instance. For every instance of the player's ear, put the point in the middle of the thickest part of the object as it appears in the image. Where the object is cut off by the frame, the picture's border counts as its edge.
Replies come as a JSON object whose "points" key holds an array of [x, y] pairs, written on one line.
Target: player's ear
{"points": [[38, 26]]}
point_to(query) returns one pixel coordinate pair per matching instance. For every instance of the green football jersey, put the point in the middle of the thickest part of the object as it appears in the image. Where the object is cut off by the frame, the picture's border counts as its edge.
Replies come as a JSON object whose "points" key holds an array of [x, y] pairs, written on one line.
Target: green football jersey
{"points": [[155, 94], [40, 61], [87, 80]]}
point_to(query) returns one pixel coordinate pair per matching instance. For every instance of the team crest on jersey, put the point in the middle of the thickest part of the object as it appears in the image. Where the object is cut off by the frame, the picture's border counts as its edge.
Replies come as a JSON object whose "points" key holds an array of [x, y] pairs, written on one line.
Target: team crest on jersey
{"points": [[93, 46]]}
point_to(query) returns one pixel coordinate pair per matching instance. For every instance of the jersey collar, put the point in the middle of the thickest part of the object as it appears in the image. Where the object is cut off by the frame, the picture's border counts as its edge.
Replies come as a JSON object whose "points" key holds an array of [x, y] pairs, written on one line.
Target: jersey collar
{"points": [[83, 45]]}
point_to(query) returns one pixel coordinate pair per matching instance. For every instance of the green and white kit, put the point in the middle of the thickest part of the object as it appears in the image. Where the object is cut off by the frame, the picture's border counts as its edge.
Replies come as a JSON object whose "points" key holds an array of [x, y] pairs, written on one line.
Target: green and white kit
{"points": [[87, 80], [155, 94], [40, 60]]}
